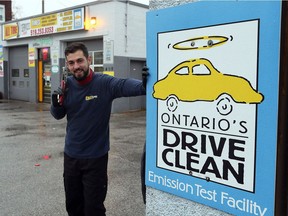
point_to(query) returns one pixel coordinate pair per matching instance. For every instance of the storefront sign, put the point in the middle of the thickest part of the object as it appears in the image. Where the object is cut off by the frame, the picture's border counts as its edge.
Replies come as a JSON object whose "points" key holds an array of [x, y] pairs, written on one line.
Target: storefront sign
{"points": [[44, 25], [55, 69], [1, 62], [208, 135], [108, 52], [10, 31], [31, 60]]}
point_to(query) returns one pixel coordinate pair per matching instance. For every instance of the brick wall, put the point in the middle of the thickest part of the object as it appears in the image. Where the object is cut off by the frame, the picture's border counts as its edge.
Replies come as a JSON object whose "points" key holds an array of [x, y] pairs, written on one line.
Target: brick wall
{"points": [[8, 9]]}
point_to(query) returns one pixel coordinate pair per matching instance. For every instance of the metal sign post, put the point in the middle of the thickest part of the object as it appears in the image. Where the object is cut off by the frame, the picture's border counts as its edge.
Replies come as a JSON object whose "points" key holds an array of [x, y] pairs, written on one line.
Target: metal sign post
{"points": [[281, 202]]}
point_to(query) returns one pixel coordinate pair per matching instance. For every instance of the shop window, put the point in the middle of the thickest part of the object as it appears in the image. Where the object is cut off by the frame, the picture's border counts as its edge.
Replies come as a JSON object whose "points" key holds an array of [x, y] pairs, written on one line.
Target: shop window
{"points": [[97, 60], [15, 73], [26, 72], [2, 13], [98, 69], [44, 54], [21, 84]]}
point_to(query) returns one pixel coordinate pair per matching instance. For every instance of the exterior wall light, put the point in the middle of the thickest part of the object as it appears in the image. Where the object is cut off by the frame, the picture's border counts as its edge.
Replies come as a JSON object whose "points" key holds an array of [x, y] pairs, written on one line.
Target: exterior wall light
{"points": [[93, 21]]}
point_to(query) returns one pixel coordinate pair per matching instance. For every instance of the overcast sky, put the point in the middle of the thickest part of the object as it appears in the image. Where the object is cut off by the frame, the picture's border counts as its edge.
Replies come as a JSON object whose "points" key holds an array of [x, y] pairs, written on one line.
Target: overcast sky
{"points": [[26, 8]]}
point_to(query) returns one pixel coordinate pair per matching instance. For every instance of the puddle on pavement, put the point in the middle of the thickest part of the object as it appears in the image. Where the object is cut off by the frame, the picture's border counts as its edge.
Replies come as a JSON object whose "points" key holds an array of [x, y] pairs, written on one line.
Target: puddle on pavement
{"points": [[10, 108], [23, 107], [19, 127]]}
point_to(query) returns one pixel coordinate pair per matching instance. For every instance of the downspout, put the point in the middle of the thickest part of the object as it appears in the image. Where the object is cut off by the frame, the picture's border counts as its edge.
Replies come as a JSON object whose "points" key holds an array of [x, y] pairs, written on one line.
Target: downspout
{"points": [[126, 26]]}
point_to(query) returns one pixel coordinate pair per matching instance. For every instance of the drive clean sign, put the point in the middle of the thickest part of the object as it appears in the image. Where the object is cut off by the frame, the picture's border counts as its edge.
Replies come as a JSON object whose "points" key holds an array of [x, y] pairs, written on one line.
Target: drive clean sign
{"points": [[207, 122], [209, 135]]}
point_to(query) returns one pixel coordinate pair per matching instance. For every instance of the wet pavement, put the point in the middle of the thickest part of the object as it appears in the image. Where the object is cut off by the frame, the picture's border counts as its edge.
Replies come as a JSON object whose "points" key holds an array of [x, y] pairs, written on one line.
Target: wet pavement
{"points": [[31, 158]]}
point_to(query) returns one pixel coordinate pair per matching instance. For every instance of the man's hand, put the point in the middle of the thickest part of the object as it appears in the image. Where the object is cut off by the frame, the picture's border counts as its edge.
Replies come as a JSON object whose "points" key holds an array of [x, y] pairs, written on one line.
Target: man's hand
{"points": [[56, 97], [145, 73]]}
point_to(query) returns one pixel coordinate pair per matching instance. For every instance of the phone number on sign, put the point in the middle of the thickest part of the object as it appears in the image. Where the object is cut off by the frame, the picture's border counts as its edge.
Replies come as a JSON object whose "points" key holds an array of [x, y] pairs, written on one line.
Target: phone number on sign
{"points": [[42, 31]]}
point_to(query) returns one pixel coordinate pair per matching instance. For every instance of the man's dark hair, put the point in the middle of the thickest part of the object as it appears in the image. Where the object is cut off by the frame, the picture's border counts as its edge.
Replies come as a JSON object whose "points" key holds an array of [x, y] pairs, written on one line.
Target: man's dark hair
{"points": [[75, 46]]}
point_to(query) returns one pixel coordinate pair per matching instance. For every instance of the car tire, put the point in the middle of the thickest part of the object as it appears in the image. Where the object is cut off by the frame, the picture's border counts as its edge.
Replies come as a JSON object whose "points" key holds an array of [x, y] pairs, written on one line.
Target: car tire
{"points": [[172, 103], [224, 104]]}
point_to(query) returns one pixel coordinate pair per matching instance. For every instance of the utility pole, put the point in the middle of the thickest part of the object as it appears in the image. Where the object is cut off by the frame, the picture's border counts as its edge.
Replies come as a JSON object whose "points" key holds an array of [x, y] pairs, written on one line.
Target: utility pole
{"points": [[43, 11]]}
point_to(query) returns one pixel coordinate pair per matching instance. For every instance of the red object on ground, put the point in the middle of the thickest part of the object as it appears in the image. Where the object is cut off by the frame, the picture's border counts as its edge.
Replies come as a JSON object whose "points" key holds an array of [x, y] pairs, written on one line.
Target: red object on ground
{"points": [[46, 157]]}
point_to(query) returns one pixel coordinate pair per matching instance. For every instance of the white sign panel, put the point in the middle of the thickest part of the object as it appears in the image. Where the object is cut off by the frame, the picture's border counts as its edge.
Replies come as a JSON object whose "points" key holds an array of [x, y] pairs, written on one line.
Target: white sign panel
{"points": [[207, 102]]}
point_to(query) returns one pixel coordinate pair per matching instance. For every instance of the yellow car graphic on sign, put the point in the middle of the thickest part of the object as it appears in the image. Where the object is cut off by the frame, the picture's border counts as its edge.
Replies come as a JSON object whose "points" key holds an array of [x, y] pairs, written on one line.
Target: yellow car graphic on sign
{"points": [[185, 82]]}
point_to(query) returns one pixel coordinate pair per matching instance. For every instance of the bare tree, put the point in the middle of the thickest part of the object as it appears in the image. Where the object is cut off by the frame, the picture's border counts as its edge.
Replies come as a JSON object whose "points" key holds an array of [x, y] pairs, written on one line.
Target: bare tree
{"points": [[16, 11]]}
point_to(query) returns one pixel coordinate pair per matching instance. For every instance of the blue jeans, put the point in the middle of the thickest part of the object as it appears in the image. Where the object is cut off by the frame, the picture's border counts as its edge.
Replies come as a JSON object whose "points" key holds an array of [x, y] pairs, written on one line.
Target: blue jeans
{"points": [[85, 183]]}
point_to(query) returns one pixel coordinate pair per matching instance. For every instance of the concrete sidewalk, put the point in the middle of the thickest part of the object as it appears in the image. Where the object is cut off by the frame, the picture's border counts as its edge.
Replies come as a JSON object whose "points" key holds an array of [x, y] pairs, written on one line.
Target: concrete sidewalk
{"points": [[31, 158]]}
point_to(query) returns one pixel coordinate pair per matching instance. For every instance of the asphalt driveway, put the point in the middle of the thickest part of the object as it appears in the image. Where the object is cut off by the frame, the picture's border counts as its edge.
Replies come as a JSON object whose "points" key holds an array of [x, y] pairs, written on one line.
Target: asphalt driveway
{"points": [[31, 158]]}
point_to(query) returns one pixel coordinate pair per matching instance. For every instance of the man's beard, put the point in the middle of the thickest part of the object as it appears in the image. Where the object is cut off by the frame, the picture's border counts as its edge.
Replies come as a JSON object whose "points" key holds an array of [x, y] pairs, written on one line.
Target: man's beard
{"points": [[83, 77]]}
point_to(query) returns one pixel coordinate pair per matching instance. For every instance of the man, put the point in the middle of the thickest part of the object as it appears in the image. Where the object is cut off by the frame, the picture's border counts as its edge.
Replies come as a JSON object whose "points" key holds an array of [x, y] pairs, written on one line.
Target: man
{"points": [[86, 102]]}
